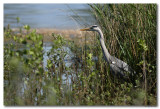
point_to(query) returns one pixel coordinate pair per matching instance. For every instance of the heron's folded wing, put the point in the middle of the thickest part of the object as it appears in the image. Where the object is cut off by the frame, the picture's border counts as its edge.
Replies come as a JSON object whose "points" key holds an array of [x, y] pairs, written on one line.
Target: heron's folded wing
{"points": [[120, 66]]}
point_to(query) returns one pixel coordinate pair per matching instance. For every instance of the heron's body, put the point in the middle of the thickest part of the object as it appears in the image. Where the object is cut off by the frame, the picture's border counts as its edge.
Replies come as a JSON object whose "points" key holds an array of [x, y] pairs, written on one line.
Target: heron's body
{"points": [[117, 66]]}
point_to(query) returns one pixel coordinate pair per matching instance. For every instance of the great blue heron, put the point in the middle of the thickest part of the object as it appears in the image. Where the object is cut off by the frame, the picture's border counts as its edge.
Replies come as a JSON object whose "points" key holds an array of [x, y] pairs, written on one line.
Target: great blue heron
{"points": [[117, 66]]}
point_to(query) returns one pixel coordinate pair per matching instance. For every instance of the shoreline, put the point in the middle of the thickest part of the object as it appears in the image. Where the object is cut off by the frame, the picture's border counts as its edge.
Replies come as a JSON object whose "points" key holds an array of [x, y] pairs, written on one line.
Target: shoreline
{"points": [[70, 34], [47, 33]]}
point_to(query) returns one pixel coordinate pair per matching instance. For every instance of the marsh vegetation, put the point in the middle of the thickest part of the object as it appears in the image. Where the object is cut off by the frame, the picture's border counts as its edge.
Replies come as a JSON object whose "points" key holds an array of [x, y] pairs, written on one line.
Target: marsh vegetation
{"points": [[75, 74]]}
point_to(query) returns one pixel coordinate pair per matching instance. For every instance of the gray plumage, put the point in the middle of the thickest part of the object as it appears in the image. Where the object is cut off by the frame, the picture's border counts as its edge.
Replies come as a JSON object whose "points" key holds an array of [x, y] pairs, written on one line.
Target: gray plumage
{"points": [[117, 66]]}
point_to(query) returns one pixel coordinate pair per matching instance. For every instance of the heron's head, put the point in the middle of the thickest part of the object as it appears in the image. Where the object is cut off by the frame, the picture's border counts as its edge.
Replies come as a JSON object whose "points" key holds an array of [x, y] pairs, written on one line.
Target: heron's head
{"points": [[91, 28]]}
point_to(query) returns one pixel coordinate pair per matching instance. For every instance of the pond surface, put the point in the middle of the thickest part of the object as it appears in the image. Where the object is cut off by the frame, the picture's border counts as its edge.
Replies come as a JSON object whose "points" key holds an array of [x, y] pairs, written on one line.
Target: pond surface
{"points": [[59, 16]]}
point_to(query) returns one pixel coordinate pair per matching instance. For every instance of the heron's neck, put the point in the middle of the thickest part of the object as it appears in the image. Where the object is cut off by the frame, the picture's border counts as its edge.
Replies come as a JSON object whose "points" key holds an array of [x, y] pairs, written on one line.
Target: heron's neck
{"points": [[104, 49]]}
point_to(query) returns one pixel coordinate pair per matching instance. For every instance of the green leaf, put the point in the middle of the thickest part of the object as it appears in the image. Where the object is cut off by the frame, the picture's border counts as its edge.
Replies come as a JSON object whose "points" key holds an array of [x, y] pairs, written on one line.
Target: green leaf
{"points": [[31, 52], [14, 38], [18, 19], [93, 74], [27, 27], [90, 55]]}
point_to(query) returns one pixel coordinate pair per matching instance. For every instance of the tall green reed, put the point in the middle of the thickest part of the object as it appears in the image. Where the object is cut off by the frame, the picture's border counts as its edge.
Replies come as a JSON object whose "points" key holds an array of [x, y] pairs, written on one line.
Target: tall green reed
{"points": [[130, 33]]}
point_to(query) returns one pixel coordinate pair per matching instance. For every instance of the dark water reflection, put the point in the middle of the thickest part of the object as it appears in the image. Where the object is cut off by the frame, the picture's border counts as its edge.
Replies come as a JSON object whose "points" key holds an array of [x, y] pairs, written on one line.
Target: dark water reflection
{"points": [[59, 16]]}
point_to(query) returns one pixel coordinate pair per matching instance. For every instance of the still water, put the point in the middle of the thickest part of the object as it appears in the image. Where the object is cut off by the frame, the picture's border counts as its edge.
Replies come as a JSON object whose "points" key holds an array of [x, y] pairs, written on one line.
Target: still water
{"points": [[59, 16]]}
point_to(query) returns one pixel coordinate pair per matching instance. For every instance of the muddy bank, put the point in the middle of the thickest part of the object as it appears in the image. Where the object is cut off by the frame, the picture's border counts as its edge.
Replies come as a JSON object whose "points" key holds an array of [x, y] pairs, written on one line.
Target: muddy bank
{"points": [[78, 37], [47, 32], [69, 34]]}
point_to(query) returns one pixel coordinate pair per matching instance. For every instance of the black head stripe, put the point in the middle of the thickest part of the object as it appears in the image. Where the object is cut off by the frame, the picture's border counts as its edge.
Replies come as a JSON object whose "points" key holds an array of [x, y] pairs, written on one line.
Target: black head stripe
{"points": [[94, 26]]}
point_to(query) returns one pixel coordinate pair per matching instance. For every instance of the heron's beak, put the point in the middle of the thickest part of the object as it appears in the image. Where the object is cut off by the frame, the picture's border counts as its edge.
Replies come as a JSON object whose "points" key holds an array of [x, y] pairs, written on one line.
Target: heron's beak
{"points": [[85, 29]]}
